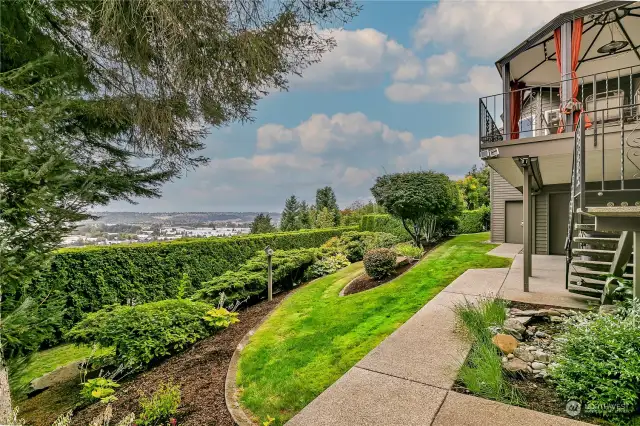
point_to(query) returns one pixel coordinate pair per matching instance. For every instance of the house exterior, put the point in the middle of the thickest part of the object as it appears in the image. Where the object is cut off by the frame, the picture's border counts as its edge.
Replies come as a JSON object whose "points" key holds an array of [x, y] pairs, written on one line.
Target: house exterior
{"points": [[563, 144]]}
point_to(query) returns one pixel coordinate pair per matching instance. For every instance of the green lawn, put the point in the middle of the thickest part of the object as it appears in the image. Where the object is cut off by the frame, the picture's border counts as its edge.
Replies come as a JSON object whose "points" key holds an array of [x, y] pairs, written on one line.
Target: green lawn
{"points": [[50, 359], [315, 336]]}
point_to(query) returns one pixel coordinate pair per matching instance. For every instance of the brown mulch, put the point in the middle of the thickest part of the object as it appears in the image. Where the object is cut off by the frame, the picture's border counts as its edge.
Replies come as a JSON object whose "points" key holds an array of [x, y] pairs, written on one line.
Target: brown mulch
{"points": [[200, 370], [365, 282]]}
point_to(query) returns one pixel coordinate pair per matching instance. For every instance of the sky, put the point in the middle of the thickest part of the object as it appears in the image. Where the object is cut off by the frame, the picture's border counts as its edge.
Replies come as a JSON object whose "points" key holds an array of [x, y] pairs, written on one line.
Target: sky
{"points": [[398, 93]]}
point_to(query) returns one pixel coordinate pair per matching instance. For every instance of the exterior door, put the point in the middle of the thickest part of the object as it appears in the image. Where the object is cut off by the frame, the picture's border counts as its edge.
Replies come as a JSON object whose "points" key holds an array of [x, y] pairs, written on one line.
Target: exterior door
{"points": [[558, 221], [513, 222]]}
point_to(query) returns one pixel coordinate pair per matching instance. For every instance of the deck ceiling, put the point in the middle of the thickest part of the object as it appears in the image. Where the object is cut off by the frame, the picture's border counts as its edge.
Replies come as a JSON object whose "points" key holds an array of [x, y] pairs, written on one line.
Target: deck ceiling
{"points": [[537, 65]]}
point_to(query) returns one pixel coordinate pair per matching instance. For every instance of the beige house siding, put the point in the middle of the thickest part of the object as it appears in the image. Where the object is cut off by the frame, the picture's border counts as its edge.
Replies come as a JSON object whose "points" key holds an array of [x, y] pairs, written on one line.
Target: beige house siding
{"points": [[501, 191]]}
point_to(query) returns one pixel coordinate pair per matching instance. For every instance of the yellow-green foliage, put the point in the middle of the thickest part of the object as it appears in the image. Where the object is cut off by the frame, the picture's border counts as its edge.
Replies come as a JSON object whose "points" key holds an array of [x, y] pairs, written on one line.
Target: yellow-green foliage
{"points": [[90, 278]]}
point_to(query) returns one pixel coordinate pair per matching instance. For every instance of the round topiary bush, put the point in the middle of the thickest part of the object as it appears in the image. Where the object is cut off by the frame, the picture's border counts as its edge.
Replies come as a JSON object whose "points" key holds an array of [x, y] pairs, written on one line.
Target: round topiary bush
{"points": [[379, 263]]}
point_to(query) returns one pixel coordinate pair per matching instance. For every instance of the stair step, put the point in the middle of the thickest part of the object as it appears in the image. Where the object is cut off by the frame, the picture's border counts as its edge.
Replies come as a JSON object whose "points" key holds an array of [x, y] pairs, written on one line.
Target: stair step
{"points": [[590, 240], [597, 264], [587, 282], [601, 275], [596, 294], [614, 211], [586, 226], [593, 252]]}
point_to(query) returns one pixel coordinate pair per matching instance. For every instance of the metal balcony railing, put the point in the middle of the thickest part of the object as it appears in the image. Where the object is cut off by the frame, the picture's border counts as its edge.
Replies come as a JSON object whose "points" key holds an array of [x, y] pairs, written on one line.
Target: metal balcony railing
{"points": [[615, 92]]}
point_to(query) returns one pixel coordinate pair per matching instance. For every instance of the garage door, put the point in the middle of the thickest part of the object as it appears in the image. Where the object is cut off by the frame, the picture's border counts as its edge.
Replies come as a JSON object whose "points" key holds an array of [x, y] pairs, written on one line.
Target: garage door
{"points": [[558, 221], [513, 222]]}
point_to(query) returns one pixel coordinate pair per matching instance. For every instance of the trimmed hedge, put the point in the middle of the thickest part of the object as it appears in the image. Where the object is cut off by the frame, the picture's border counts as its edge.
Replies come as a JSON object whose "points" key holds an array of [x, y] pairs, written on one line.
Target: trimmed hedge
{"points": [[93, 277], [384, 223], [473, 221]]}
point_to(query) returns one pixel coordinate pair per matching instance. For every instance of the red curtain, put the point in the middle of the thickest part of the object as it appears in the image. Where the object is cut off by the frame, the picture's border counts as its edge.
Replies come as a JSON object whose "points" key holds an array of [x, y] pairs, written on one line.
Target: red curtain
{"points": [[515, 101], [556, 38]]}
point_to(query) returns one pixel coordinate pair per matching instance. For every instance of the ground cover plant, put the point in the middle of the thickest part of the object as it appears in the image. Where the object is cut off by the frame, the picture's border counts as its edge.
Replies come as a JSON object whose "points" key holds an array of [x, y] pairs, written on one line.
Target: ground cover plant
{"points": [[315, 335], [482, 372], [142, 333], [409, 250]]}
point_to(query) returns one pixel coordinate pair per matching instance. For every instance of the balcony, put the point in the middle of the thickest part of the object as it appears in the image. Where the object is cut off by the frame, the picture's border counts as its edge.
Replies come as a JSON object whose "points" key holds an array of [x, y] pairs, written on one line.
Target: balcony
{"points": [[609, 102]]}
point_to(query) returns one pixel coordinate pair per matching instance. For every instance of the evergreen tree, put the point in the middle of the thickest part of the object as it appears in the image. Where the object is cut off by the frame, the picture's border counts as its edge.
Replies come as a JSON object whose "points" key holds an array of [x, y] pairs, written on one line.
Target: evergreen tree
{"points": [[305, 218], [326, 198], [325, 219], [262, 224], [290, 219]]}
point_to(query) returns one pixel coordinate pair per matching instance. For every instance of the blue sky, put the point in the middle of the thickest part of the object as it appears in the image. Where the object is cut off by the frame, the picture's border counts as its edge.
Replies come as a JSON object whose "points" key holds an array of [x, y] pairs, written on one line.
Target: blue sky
{"points": [[398, 93]]}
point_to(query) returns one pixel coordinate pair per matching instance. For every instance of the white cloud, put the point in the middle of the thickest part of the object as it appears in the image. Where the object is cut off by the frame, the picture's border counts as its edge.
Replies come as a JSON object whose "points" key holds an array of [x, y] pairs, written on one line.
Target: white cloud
{"points": [[479, 81], [445, 65], [361, 57], [486, 28], [320, 132], [355, 177], [452, 155]]}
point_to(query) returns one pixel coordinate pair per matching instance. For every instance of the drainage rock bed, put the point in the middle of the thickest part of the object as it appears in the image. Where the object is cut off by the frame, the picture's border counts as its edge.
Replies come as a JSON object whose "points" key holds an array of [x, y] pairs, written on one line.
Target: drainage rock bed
{"points": [[528, 340]]}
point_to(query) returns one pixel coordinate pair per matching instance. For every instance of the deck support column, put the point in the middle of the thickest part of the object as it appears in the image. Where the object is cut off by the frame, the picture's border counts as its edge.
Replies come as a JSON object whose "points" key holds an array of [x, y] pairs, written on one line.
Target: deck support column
{"points": [[636, 264], [526, 225]]}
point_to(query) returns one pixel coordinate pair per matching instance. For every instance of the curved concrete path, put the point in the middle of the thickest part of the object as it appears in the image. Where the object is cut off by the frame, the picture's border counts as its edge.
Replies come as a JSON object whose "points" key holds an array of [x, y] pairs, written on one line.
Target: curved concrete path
{"points": [[407, 379]]}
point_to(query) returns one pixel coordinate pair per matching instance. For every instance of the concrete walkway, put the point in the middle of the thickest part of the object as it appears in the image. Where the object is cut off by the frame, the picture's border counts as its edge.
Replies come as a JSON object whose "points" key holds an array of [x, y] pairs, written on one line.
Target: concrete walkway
{"points": [[407, 379]]}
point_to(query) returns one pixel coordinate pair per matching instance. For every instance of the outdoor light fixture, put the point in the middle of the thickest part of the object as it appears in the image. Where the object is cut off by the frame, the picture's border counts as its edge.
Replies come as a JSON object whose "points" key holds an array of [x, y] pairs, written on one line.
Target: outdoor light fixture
{"points": [[610, 18], [268, 251]]}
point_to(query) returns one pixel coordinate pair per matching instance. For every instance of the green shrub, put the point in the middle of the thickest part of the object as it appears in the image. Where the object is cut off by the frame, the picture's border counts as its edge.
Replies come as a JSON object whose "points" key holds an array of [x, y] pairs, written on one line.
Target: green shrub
{"points": [[380, 263], [161, 407], [384, 223], [355, 244], [599, 363], [409, 250], [473, 221], [327, 265], [92, 277], [143, 333], [250, 280], [100, 388]]}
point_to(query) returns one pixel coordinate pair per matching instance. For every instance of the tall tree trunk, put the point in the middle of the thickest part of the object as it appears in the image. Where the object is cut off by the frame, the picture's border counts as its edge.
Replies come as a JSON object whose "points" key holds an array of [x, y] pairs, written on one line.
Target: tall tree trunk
{"points": [[6, 410]]}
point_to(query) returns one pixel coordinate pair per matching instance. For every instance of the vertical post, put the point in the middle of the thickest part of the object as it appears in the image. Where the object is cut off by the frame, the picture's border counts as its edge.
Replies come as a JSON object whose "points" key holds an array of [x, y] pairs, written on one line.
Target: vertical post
{"points": [[567, 83], [636, 265], [526, 211], [506, 101]]}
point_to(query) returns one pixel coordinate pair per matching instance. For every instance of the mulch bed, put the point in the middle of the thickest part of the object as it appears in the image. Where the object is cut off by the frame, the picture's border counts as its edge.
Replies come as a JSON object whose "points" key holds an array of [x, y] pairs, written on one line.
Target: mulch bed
{"points": [[365, 282], [538, 394], [200, 370]]}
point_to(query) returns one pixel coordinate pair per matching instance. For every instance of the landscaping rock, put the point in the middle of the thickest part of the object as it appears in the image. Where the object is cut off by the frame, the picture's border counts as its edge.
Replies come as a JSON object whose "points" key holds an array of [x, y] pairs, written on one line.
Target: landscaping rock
{"points": [[510, 356], [514, 324], [506, 343], [512, 332], [516, 365], [565, 312], [518, 313], [541, 335], [538, 365], [524, 354], [522, 320], [556, 319], [540, 356], [59, 375], [548, 313]]}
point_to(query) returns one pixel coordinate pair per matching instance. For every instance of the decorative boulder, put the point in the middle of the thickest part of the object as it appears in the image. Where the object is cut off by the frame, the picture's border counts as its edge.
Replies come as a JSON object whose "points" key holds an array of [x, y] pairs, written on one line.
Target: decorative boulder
{"points": [[507, 344], [516, 365], [524, 354]]}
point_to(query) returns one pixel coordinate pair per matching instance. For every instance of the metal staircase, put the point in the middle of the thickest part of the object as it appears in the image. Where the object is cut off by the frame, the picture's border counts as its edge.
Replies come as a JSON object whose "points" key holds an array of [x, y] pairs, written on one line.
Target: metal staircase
{"points": [[598, 242]]}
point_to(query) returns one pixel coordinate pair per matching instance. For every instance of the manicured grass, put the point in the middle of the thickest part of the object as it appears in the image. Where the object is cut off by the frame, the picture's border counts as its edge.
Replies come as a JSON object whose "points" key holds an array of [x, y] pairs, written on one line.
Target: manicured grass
{"points": [[315, 336], [50, 359]]}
